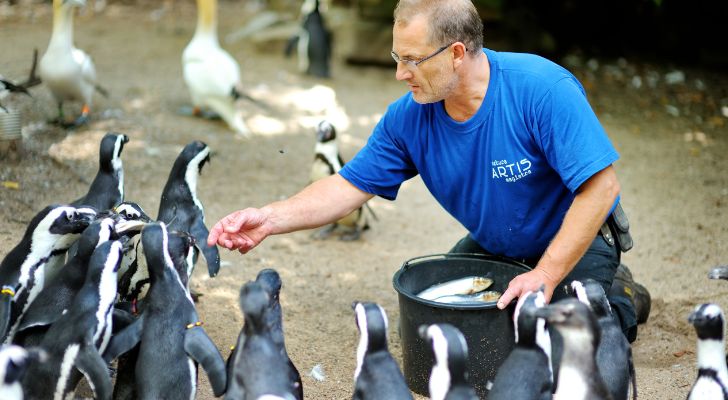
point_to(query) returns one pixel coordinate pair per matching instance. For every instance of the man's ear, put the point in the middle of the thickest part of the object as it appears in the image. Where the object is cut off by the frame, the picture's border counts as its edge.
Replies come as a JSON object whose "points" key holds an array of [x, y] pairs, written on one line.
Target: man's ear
{"points": [[458, 53]]}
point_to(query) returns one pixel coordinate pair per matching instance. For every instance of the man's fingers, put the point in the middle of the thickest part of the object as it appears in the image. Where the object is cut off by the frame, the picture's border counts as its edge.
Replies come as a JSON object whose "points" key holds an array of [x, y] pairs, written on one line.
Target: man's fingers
{"points": [[215, 233], [506, 298], [234, 222]]}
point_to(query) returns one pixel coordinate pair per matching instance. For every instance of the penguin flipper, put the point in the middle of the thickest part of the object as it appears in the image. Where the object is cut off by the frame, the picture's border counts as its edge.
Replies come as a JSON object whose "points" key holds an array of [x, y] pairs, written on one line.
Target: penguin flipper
{"points": [[201, 349], [5, 311], [121, 319], [93, 367], [291, 44], [212, 255], [124, 340]]}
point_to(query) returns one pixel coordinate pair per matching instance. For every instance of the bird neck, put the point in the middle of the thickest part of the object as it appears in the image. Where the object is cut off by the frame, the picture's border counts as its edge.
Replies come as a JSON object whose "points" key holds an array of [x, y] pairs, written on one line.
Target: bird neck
{"points": [[62, 35], [206, 18], [711, 355]]}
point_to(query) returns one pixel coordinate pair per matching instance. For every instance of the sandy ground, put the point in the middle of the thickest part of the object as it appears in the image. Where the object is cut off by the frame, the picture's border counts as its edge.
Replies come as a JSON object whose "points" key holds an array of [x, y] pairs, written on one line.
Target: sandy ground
{"points": [[672, 170]]}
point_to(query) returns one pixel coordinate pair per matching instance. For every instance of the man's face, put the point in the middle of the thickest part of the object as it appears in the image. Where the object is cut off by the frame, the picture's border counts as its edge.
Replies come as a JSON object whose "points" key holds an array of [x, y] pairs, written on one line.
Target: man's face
{"points": [[432, 80]]}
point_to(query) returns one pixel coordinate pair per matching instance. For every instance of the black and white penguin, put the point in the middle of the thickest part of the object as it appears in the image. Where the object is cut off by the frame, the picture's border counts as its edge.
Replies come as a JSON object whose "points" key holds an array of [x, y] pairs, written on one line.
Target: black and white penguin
{"points": [[56, 298], [327, 161], [719, 272], [133, 275], [271, 282], [68, 72], [526, 372], [614, 354], [314, 42], [578, 376], [107, 189], [259, 367], [377, 375], [449, 377], [79, 337], [14, 361], [22, 272], [168, 331], [180, 207], [712, 380]]}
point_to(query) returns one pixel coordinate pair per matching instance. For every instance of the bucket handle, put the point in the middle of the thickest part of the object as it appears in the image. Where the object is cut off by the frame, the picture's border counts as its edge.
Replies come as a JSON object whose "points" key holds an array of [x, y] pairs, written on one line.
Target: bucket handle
{"points": [[485, 257]]}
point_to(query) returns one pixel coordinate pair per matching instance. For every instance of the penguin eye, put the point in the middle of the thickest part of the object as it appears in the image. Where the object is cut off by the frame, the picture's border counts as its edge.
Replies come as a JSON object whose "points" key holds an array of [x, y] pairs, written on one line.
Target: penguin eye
{"points": [[70, 216]]}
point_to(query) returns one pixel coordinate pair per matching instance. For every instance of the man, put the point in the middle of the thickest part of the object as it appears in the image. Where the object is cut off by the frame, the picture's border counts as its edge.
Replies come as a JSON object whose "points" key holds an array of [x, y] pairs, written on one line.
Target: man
{"points": [[507, 143]]}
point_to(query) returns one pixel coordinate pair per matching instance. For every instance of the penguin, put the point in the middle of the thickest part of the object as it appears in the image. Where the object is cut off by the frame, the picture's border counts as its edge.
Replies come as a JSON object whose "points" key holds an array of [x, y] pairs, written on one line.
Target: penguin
{"points": [[55, 299], [22, 274], [79, 337], [377, 375], [14, 361], [578, 377], [259, 367], [719, 272], [327, 161], [181, 209], [712, 380], [614, 354], [168, 331], [313, 42], [449, 377], [133, 275], [526, 373], [68, 72], [107, 189], [212, 75]]}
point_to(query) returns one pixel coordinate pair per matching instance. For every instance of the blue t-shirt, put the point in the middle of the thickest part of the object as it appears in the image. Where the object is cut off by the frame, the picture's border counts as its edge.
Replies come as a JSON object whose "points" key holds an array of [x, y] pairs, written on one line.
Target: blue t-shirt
{"points": [[509, 173]]}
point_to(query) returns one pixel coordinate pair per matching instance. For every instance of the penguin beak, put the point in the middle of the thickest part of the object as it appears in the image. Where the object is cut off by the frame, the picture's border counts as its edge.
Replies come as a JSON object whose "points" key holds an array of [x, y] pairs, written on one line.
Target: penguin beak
{"points": [[547, 313], [719, 273], [696, 317], [422, 331], [37, 354], [129, 226]]}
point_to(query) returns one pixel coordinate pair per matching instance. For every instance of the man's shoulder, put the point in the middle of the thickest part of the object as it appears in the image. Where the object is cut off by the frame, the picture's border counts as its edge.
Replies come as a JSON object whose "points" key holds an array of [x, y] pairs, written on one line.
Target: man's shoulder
{"points": [[530, 67]]}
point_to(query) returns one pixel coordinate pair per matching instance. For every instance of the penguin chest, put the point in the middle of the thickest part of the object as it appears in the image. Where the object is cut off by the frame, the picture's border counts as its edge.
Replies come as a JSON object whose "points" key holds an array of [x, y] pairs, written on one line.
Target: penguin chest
{"points": [[320, 170], [574, 386], [11, 391], [707, 388]]}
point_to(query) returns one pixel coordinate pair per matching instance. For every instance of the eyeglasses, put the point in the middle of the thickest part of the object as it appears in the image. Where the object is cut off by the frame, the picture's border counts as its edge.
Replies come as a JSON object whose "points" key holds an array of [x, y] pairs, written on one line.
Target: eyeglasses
{"points": [[412, 64]]}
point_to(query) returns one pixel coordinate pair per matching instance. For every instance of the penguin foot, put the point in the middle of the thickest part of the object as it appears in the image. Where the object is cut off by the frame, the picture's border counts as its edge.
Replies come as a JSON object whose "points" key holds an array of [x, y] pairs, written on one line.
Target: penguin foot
{"points": [[350, 236], [324, 232]]}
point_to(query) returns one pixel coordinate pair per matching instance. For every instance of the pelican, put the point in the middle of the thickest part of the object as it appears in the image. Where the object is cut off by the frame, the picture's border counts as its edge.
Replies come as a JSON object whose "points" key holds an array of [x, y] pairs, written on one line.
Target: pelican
{"points": [[69, 72], [211, 74]]}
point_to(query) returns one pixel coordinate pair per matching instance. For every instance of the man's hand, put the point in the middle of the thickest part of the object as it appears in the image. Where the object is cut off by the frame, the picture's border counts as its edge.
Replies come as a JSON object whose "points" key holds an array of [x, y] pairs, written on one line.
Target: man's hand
{"points": [[241, 230], [529, 281]]}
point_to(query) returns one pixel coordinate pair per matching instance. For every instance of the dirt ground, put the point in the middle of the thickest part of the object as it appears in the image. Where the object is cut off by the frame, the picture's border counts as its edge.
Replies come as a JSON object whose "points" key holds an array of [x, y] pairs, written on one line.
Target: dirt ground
{"points": [[673, 141]]}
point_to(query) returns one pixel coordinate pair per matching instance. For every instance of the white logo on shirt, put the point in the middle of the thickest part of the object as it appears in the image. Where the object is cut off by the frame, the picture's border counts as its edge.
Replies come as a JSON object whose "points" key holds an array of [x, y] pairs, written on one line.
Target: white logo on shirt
{"points": [[511, 172]]}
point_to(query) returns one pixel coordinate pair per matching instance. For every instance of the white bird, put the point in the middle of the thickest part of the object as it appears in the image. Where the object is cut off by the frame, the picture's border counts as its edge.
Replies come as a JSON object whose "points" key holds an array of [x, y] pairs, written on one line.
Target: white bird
{"points": [[211, 74], [69, 72]]}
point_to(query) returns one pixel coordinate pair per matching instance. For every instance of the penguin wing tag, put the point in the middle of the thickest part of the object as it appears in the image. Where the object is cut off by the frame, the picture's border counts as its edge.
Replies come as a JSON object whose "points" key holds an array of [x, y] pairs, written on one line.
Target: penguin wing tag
{"points": [[124, 340], [93, 367], [200, 348], [212, 255]]}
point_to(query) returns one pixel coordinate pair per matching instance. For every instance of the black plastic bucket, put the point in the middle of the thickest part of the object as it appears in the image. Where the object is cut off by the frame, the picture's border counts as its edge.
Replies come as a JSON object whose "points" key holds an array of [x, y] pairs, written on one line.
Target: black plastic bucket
{"points": [[487, 330]]}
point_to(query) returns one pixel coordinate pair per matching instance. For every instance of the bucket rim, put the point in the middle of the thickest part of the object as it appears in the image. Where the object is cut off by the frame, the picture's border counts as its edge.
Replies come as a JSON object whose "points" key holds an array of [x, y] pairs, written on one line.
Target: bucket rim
{"points": [[408, 264]]}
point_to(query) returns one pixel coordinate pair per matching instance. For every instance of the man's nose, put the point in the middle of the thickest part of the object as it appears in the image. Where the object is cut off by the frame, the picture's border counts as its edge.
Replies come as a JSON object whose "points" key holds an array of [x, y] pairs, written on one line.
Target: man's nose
{"points": [[403, 73]]}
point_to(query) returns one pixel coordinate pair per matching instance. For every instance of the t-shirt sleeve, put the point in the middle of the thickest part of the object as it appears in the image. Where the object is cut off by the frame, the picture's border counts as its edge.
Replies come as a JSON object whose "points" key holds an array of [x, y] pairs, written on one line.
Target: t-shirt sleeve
{"points": [[571, 136], [383, 163]]}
